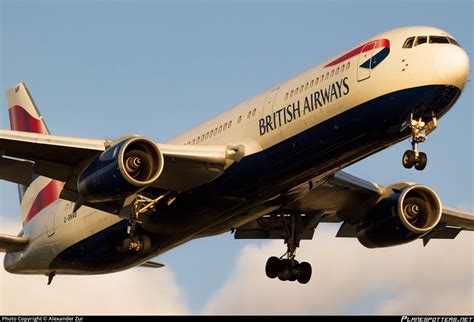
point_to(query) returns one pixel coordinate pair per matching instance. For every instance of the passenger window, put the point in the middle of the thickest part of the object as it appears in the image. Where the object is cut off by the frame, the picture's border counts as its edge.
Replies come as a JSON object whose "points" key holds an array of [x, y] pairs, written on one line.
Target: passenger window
{"points": [[342, 68], [194, 141], [198, 139], [348, 65], [240, 117], [439, 40], [225, 126], [327, 75], [254, 111], [211, 133], [322, 78], [420, 40], [215, 131], [220, 129], [202, 137], [291, 93], [296, 90], [301, 89], [454, 42], [249, 114], [207, 136], [306, 86], [332, 73], [311, 84], [317, 81], [337, 71], [286, 97], [230, 124], [408, 43]]}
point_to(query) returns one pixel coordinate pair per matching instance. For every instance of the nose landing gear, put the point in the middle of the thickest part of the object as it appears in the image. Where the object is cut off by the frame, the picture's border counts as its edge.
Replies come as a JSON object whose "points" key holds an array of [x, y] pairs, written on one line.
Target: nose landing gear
{"points": [[420, 130]]}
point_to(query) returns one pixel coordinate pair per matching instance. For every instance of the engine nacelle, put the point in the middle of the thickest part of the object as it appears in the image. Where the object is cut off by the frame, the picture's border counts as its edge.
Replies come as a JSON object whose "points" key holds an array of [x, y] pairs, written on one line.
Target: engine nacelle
{"points": [[123, 169], [401, 217]]}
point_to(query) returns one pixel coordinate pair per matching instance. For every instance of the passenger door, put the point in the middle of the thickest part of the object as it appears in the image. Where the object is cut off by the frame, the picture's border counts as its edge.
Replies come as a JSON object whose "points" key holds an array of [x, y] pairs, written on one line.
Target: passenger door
{"points": [[364, 64]]}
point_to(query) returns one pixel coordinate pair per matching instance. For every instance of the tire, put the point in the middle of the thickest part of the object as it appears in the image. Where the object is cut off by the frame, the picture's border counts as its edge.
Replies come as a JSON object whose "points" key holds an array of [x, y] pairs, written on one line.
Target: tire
{"points": [[146, 246], [305, 272], [294, 271], [408, 159], [124, 246], [421, 161], [272, 267], [285, 270]]}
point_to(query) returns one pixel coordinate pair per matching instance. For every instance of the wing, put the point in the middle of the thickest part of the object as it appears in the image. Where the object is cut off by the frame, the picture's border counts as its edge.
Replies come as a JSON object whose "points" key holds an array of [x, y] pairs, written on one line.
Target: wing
{"points": [[23, 155], [12, 243], [341, 198]]}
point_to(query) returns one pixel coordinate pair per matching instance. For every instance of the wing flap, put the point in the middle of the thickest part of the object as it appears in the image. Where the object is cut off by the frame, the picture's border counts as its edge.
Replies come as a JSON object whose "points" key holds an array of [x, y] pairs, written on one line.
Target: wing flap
{"points": [[16, 171], [10, 243], [457, 218]]}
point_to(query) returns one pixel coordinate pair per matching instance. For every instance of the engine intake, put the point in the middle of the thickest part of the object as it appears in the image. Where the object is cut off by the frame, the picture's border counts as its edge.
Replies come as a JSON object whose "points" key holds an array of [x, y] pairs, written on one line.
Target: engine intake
{"points": [[419, 209], [123, 169], [401, 217]]}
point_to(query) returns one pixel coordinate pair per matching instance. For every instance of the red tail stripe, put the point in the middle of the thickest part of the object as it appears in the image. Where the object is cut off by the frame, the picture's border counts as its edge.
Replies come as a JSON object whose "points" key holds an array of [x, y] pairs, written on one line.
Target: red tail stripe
{"points": [[21, 120], [378, 43], [45, 197]]}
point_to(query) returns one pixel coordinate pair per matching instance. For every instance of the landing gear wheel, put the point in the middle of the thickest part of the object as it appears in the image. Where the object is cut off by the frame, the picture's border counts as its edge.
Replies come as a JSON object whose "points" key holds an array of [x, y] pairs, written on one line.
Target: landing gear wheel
{"points": [[145, 246], [272, 267], [420, 127], [421, 161], [124, 246], [408, 159], [294, 271], [285, 270], [305, 272]]}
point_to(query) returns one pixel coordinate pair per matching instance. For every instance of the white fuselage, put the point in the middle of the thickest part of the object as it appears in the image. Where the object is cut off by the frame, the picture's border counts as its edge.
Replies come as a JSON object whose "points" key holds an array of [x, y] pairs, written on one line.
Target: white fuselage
{"points": [[278, 114]]}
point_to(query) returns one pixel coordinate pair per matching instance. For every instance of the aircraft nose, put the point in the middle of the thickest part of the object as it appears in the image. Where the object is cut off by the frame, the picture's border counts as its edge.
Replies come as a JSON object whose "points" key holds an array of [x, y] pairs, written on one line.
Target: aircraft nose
{"points": [[452, 65]]}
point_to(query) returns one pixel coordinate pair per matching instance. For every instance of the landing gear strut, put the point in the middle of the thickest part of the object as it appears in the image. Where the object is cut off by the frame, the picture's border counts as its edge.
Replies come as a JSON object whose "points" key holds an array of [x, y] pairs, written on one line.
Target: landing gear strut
{"points": [[420, 130], [135, 242], [287, 268]]}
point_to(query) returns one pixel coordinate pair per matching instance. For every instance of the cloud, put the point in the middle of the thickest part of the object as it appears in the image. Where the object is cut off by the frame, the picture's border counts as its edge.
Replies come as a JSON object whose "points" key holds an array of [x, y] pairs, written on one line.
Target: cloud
{"points": [[347, 279], [136, 291], [350, 279]]}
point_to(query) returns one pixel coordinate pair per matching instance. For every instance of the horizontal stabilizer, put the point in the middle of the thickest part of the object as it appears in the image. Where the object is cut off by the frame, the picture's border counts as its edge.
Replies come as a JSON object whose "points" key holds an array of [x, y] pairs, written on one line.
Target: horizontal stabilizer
{"points": [[12, 243]]}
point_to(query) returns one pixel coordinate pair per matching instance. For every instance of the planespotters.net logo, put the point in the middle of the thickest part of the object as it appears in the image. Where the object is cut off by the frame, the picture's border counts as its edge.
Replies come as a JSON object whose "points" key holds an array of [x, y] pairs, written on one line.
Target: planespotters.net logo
{"points": [[437, 318]]}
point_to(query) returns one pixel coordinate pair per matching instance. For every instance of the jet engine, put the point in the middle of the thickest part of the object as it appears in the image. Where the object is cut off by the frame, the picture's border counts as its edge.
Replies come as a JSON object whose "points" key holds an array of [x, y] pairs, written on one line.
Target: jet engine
{"points": [[123, 169], [401, 217]]}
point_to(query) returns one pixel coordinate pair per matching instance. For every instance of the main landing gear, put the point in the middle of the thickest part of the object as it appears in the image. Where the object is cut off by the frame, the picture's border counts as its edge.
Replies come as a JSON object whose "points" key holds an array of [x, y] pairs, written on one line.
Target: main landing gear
{"points": [[287, 268], [136, 242], [420, 130]]}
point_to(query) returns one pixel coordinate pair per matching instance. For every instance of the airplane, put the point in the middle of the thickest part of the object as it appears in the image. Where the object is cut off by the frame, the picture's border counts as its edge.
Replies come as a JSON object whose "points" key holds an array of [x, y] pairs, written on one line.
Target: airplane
{"points": [[268, 168]]}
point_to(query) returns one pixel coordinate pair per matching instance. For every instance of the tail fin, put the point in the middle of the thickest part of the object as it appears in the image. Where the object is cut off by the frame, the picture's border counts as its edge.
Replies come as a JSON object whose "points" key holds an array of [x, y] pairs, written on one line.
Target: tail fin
{"points": [[25, 117]]}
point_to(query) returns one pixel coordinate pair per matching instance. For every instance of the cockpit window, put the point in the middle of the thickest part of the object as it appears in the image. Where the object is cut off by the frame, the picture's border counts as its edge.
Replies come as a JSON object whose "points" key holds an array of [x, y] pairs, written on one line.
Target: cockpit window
{"points": [[409, 42], [454, 42], [439, 40], [420, 40]]}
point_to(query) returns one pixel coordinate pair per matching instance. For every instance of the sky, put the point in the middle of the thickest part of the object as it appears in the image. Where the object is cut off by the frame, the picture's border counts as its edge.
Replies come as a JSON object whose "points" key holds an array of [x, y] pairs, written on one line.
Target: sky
{"points": [[104, 69]]}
